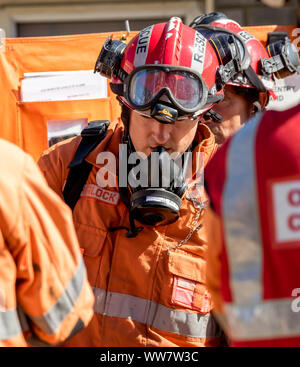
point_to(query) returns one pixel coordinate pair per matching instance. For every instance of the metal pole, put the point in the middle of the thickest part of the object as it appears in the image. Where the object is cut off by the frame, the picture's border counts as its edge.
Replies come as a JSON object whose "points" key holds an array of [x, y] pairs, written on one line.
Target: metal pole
{"points": [[209, 6]]}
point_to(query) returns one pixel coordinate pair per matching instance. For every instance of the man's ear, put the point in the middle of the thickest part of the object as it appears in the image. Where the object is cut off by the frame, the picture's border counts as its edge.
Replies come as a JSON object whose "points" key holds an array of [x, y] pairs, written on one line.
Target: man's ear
{"points": [[255, 107]]}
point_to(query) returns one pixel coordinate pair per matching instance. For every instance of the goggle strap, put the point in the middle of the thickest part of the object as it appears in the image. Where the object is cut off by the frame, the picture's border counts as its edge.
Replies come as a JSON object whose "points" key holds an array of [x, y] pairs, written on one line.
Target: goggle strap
{"points": [[254, 79], [117, 88], [121, 74], [214, 98]]}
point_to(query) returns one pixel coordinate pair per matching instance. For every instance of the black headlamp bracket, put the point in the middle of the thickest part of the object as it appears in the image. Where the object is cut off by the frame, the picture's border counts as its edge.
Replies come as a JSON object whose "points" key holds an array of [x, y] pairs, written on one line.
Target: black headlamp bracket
{"points": [[284, 59], [110, 57]]}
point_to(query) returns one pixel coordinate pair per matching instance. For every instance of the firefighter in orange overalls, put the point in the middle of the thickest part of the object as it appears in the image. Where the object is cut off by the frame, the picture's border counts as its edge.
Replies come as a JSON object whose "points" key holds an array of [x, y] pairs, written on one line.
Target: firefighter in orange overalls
{"points": [[254, 230], [45, 297], [144, 245]]}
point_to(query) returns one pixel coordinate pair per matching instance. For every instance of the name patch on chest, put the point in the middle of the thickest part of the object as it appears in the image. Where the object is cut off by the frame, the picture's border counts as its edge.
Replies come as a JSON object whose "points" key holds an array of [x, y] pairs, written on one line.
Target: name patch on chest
{"points": [[190, 294], [96, 192]]}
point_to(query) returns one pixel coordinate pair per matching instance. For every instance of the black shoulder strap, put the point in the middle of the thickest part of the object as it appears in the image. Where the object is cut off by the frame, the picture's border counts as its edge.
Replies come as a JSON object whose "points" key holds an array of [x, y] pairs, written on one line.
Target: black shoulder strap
{"points": [[80, 169]]}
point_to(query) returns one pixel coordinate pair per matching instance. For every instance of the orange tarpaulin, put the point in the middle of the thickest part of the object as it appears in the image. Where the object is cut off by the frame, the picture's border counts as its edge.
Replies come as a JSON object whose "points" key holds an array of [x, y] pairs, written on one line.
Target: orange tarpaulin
{"points": [[25, 123], [261, 32]]}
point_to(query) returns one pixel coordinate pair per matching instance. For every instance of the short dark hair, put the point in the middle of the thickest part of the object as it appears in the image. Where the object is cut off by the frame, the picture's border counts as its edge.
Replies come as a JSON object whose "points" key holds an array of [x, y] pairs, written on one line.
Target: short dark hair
{"points": [[250, 94]]}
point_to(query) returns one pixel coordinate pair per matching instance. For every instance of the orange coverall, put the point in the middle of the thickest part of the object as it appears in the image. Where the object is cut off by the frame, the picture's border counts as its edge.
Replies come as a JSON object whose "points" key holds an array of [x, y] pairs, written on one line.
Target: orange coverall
{"points": [[44, 292], [149, 291]]}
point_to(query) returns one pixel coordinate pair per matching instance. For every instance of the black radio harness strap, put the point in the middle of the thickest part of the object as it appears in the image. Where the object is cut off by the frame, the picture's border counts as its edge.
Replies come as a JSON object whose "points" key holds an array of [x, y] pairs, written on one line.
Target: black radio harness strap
{"points": [[80, 169]]}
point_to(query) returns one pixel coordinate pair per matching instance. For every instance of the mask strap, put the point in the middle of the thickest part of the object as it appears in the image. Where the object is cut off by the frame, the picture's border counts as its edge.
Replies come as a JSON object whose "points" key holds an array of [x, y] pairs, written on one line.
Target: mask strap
{"points": [[133, 231]]}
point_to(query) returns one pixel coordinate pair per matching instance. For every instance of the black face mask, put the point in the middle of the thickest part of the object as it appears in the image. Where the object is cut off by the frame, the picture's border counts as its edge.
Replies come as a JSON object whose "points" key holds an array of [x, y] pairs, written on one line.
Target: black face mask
{"points": [[157, 198]]}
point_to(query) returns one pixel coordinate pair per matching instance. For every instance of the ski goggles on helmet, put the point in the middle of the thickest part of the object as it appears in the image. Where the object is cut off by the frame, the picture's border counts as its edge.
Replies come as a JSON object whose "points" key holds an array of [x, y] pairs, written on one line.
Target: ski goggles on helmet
{"points": [[230, 48], [184, 88], [284, 58]]}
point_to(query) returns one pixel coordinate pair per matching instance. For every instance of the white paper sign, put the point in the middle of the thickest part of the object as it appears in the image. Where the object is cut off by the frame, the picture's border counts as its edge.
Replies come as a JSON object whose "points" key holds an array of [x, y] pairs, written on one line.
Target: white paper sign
{"points": [[287, 91], [59, 130], [63, 86]]}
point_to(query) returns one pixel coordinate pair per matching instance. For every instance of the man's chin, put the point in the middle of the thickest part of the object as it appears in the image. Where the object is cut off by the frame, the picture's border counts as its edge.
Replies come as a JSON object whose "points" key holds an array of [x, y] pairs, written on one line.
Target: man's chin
{"points": [[217, 131], [214, 127]]}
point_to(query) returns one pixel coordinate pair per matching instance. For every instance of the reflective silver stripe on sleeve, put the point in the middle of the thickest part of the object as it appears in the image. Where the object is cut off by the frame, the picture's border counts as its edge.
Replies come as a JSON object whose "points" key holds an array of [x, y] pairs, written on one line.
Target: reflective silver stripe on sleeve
{"points": [[9, 324], [148, 312], [51, 321], [241, 218], [267, 319]]}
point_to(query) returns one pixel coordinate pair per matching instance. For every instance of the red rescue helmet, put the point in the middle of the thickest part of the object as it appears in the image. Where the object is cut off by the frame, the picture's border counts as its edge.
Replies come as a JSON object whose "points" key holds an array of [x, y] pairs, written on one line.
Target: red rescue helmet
{"points": [[252, 76], [167, 71]]}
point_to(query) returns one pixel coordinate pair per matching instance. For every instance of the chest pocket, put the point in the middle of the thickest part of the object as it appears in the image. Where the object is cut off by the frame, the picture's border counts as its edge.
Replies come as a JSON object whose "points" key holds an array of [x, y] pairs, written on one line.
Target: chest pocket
{"points": [[188, 284], [91, 242]]}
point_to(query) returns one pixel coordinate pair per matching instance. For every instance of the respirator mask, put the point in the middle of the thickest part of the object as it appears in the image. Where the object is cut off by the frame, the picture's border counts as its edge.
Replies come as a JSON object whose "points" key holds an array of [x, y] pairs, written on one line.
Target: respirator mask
{"points": [[156, 186]]}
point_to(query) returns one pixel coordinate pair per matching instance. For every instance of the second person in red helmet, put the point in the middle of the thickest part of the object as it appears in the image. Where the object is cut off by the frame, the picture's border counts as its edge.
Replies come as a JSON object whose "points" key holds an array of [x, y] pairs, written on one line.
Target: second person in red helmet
{"points": [[248, 91]]}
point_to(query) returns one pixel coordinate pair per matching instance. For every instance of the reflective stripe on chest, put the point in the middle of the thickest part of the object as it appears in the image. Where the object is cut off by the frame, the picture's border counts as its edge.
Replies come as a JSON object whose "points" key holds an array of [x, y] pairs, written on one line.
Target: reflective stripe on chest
{"points": [[98, 193]]}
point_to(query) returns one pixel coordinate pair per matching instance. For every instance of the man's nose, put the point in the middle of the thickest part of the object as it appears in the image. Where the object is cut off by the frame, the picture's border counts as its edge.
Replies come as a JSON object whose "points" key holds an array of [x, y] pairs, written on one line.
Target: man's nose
{"points": [[161, 132]]}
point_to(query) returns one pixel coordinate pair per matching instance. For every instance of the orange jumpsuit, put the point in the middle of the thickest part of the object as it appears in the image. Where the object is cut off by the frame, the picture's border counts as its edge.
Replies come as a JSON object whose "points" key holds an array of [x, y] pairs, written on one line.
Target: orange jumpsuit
{"points": [[44, 292], [149, 291]]}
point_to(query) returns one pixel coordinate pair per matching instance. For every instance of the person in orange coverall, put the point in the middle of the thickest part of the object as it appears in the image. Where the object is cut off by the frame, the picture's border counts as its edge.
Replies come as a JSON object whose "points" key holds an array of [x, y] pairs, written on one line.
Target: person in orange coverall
{"points": [[45, 297], [144, 245]]}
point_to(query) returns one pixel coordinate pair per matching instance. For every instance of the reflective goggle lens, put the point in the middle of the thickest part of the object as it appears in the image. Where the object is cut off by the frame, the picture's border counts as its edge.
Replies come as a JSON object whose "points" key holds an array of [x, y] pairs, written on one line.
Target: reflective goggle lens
{"points": [[184, 87]]}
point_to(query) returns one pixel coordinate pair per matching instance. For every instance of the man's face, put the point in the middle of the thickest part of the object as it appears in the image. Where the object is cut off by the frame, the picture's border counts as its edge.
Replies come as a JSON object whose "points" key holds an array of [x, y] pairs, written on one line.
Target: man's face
{"points": [[146, 134], [235, 110]]}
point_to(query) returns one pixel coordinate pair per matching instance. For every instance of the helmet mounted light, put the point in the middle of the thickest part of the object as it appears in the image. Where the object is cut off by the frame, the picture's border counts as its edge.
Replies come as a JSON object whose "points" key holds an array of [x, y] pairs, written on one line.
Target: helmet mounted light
{"points": [[284, 59], [109, 59]]}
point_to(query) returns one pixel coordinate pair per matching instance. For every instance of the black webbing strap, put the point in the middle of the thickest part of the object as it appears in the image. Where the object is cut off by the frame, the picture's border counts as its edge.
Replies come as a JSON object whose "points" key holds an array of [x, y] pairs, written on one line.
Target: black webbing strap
{"points": [[80, 169], [254, 79], [77, 178], [276, 36]]}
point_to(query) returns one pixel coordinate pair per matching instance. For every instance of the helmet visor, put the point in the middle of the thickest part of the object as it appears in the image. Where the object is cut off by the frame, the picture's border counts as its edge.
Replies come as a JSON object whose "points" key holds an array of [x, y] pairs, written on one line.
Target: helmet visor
{"points": [[185, 89]]}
